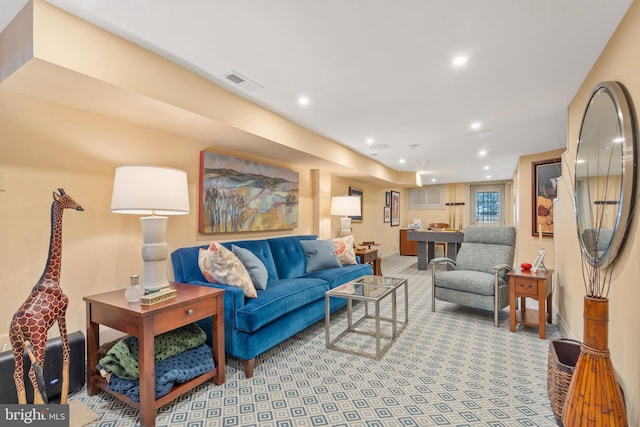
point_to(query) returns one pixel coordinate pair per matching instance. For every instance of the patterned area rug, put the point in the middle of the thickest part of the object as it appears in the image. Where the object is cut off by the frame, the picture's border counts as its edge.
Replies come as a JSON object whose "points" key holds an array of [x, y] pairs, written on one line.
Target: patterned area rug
{"points": [[451, 368]]}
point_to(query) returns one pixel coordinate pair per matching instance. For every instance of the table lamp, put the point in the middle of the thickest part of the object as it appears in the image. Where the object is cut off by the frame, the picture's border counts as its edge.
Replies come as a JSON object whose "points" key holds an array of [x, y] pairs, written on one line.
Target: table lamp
{"points": [[157, 192], [345, 206]]}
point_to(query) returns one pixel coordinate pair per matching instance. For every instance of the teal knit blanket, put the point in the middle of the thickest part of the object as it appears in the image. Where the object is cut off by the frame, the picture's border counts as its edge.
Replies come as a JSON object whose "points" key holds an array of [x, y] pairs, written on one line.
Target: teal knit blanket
{"points": [[122, 358]]}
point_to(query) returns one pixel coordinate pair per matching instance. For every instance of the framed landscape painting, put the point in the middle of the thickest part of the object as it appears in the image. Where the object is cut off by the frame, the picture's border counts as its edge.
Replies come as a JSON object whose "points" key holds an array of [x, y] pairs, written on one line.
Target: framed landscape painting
{"points": [[237, 195]]}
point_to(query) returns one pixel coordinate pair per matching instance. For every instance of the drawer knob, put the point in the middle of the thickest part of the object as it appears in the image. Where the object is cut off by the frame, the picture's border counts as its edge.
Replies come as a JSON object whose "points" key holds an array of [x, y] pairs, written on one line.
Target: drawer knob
{"points": [[190, 312]]}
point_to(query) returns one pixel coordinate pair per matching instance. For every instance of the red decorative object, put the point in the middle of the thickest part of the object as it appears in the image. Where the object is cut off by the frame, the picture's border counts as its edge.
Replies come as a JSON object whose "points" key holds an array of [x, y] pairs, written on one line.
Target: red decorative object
{"points": [[525, 266], [45, 305]]}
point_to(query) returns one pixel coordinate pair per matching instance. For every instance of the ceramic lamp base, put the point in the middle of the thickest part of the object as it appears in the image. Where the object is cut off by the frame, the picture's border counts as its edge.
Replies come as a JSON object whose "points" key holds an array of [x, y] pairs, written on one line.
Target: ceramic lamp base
{"points": [[154, 252], [345, 227]]}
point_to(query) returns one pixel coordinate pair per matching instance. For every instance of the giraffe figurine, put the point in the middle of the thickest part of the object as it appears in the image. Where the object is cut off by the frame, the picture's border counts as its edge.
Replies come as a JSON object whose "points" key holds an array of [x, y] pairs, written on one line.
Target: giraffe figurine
{"points": [[43, 307]]}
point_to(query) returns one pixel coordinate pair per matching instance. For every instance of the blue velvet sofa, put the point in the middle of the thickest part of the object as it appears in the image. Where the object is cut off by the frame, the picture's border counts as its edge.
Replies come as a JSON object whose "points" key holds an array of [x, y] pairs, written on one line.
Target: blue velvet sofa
{"points": [[292, 301]]}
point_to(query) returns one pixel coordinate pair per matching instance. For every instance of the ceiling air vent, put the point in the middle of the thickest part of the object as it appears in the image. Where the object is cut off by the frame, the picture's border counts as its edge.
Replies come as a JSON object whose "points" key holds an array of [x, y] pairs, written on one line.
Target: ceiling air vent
{"points": [[240, 80]]}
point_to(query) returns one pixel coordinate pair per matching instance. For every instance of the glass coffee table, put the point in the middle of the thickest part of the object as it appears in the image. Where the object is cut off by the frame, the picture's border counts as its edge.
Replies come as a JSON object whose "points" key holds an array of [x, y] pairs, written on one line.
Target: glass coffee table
{"points": [[374, 290]]}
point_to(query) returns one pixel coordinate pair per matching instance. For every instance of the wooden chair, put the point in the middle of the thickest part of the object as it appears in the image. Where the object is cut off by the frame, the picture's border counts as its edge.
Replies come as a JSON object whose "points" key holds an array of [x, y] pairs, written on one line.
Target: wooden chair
{"points": [[440, 226]]}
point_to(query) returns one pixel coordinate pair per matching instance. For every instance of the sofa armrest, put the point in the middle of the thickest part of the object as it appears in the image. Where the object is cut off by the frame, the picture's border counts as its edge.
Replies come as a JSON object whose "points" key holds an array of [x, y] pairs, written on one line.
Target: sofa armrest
{"points": [[233, 300], [233, 296]]}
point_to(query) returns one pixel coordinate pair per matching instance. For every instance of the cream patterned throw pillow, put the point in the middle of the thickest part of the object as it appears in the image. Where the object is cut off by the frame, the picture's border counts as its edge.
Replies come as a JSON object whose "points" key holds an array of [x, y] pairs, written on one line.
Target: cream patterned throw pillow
{"points": [[343, 247], [219, 265]]}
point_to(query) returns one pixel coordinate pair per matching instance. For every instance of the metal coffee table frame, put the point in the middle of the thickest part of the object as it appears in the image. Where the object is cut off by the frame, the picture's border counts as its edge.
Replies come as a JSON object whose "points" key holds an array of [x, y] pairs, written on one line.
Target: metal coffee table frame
{"points": [[370, 289]]}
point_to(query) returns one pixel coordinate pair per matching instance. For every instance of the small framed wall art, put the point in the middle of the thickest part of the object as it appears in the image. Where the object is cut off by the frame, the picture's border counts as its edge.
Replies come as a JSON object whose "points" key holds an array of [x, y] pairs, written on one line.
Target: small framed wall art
{"points": [[357, 192], [395, 208]]}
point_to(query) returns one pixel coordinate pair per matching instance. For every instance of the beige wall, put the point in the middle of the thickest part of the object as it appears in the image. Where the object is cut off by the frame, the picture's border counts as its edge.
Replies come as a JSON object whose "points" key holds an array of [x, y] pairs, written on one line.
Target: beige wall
{"points": [[45, 146], [460, 217], [456, 217], [528, 244], [372, 226], [69, 115], [619, 61]]}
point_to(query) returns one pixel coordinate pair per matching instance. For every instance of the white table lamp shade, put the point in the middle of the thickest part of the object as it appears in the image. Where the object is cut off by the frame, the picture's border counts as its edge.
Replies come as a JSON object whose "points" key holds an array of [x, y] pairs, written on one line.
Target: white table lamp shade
{"points": [[158, 192], [147, 190], [345, 206]]}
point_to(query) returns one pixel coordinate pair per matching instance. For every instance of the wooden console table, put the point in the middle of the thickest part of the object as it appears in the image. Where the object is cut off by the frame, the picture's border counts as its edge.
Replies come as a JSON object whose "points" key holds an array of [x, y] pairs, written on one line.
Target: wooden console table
{"points": [[191, 303], [525, 284]]}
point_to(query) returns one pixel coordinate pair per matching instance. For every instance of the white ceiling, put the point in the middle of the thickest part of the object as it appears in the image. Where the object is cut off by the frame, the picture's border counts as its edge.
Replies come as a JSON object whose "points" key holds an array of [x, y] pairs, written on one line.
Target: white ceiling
{"points": [[383, 69]]}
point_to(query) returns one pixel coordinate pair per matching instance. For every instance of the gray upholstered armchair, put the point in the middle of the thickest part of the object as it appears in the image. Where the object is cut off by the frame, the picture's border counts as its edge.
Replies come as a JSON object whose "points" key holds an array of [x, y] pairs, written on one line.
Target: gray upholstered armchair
{"points": [[478, 278]]}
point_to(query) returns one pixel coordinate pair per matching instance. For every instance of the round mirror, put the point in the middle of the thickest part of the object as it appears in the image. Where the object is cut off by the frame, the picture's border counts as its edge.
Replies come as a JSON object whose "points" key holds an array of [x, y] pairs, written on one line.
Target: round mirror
{"points": [[604, 187]]}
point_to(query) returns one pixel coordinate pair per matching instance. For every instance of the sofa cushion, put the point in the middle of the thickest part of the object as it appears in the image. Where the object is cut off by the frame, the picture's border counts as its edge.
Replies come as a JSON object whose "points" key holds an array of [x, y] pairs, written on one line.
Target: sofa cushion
{"points": [[320, 255], [219, 265], [262, 250], [288, 255], [280, 298], [255, 267], [476, 282], [342, 275], [343, 247]]}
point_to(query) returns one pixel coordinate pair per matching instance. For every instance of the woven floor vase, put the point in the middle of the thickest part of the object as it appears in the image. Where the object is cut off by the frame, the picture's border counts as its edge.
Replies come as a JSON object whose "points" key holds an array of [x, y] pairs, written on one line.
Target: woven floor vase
{"points": [[594, 398]]}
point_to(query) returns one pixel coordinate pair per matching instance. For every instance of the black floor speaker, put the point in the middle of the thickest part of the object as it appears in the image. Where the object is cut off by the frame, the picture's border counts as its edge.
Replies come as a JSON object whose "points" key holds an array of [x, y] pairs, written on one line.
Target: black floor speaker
{"points": [[52, 370]]}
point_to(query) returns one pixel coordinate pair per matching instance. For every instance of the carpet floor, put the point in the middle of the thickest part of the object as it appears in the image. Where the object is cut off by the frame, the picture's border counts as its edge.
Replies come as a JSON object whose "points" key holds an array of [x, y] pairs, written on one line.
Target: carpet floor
{"points": [[450, 367]]}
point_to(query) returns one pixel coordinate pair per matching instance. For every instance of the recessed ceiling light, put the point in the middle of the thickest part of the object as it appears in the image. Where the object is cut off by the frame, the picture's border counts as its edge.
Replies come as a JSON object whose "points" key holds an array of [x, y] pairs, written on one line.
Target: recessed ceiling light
{"points": [[488, 176], [459, 60], [482, 153], [402, 160], [476, 125], [303, 100], [370, 140], [433, 180], [580, 161], [486, 168]]}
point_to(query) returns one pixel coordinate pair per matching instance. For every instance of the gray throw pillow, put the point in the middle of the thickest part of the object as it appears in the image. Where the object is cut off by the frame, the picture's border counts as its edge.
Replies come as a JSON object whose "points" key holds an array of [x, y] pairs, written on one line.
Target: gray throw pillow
{"points": [[320, 255], [255, 267]]}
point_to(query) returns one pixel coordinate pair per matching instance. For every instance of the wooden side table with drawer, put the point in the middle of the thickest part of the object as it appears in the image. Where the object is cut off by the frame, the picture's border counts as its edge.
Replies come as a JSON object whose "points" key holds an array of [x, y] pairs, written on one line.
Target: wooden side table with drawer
{"points": [[190, 304], [525, 284], [370, 256]]}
